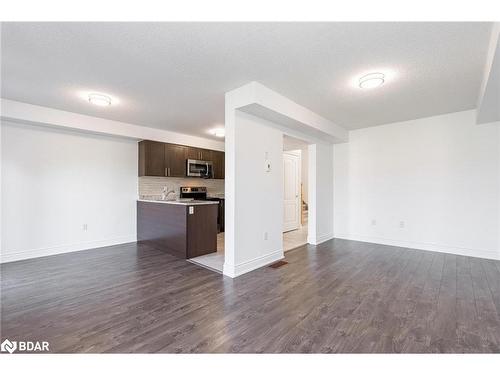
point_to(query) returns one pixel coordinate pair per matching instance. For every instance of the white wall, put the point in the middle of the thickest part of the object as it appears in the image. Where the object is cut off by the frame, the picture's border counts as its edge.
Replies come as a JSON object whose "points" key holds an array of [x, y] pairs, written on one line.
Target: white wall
{"points": [[439, 175], [321, 193], [55, 180], [257, 204]]}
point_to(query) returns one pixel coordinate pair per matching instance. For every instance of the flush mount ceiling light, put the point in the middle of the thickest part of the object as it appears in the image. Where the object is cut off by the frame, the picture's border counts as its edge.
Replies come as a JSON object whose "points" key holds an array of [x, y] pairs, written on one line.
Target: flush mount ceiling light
{"points": [[100, 100], [372, 80], [219, 132]]}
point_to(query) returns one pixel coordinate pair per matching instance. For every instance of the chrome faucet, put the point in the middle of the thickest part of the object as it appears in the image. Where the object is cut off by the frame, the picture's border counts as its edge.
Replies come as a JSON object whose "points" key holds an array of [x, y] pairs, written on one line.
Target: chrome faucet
{"points": [[165, 193]]}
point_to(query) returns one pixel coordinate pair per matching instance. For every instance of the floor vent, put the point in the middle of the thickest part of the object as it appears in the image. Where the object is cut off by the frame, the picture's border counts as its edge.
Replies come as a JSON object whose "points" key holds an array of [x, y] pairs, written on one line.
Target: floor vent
{"points": [[278, 264]]}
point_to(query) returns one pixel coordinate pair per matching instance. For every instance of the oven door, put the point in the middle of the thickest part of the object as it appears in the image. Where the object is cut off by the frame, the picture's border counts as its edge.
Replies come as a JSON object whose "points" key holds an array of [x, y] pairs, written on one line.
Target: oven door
{"points": [[199, 168]]}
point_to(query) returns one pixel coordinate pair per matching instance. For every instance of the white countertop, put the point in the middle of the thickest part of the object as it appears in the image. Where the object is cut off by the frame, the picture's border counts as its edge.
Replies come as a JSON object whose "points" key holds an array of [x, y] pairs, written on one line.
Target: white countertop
{"points": [[183, 203]]}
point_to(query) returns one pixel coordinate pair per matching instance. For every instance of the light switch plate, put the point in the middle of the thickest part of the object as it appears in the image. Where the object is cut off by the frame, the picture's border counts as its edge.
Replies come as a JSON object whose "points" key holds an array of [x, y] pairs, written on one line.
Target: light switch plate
{"points": [[191, 210]]}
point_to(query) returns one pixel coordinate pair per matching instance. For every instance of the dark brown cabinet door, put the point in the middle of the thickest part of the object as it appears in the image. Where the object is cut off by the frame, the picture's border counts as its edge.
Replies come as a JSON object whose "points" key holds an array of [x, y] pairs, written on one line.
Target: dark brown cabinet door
{"points": [[223, 165], [218, 164], [151, 158], [175, 160], [202, 230], [194, 153], [206, 155], [199, 154]]}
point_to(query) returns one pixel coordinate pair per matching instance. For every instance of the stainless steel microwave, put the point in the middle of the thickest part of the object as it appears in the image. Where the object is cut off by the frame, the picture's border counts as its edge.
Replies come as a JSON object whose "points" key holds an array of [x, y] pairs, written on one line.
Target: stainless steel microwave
{"points": [[199, 168]]}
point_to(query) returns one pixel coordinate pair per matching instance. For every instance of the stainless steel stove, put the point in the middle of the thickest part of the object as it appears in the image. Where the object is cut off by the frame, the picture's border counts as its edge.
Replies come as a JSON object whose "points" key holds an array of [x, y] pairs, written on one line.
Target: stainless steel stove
{"points": [[195, 192]]}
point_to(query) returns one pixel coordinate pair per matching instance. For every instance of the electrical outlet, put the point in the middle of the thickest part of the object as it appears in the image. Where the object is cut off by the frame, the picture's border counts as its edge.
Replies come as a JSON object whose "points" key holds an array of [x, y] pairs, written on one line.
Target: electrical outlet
{"points": [[191, 210], [374, 222], [85, 227], [265, 236], [401, 224]]}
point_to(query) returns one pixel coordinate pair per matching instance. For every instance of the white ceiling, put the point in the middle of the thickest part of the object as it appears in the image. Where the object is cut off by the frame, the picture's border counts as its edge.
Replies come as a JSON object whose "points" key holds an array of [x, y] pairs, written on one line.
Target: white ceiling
{"points": [[174, 75]]}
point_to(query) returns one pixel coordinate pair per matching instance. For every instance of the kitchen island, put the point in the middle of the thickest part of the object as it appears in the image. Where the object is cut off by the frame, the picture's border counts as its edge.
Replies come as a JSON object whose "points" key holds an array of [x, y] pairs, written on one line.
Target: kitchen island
{"points": [[186, 229]]}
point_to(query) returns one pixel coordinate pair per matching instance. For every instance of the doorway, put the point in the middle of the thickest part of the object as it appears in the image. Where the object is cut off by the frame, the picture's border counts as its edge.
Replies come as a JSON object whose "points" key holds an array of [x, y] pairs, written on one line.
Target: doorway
{"points": [[295, 206]]}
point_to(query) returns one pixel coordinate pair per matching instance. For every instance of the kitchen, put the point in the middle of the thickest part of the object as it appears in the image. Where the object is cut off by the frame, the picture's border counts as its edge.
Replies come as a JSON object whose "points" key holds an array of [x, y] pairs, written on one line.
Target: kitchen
{"points": [[180, 209]]}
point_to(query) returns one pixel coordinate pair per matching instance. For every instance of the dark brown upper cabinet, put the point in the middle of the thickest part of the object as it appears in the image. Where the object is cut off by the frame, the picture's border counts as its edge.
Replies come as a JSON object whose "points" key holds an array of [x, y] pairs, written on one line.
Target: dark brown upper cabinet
{"points": [[169, 160], [206, 155], [199, 154], [218, 164], [194, 153], [175, 160], [151, 158]]}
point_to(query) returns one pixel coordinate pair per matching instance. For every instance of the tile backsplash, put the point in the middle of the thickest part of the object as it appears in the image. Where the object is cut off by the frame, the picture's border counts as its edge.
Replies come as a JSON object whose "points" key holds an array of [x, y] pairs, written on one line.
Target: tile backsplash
{"points": [[152, 187]]}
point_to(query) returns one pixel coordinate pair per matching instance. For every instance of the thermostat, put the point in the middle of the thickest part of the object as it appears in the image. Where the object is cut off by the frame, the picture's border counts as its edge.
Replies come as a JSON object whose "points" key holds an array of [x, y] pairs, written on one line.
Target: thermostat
{"points": [[267, 166]]}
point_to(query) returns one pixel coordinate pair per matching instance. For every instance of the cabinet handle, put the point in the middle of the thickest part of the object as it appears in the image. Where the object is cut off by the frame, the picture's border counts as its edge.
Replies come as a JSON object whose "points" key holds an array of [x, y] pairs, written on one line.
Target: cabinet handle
{"points": [[166, 172], [169, 171]]}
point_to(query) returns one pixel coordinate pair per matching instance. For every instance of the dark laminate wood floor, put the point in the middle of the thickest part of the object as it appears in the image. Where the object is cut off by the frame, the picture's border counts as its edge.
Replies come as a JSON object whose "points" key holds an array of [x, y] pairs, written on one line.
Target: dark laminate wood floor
{"points": [[341, 296]]}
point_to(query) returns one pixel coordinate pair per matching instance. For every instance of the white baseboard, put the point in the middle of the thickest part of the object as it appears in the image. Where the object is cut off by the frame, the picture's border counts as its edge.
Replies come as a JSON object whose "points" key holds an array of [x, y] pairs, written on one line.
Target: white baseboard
{"points": [[7, 256], [320, 239], [440, 248], [235, 270]]}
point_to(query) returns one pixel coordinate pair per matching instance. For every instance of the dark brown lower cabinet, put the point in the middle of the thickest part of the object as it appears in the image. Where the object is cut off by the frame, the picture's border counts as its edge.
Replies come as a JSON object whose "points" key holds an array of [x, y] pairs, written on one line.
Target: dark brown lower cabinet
{"points": [[173, 229]]}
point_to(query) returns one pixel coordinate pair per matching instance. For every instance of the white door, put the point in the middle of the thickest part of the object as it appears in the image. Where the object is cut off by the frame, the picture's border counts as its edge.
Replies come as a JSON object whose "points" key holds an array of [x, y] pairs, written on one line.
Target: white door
{"points": [[291, 178]]}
